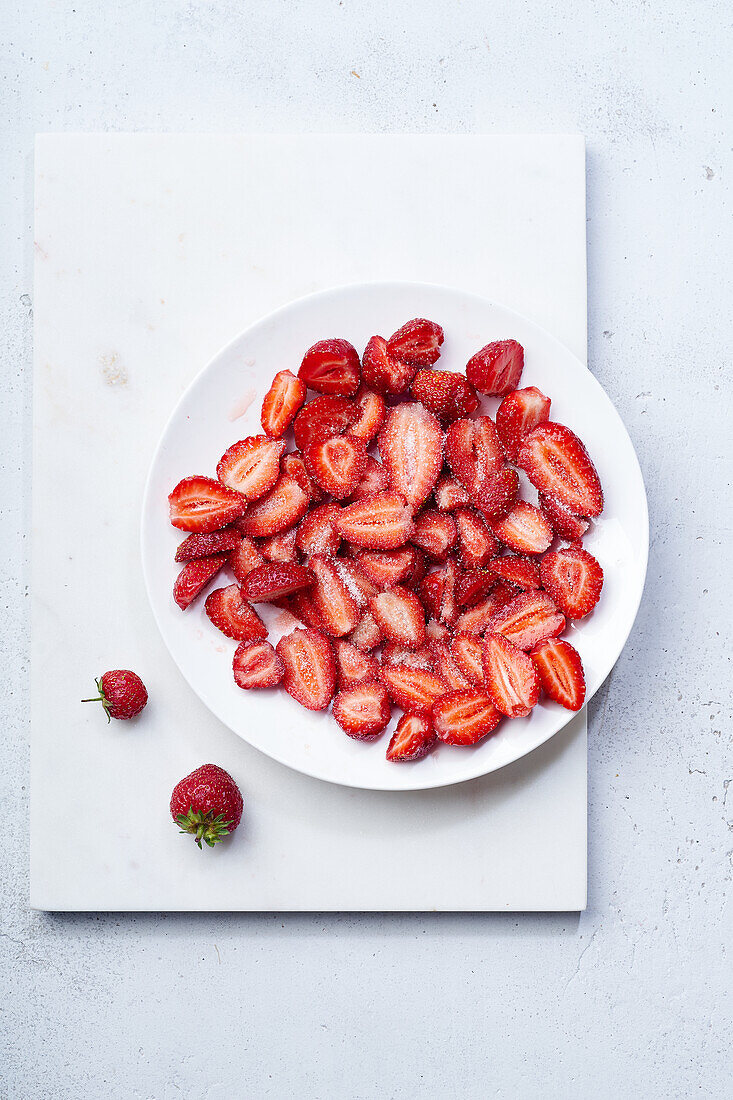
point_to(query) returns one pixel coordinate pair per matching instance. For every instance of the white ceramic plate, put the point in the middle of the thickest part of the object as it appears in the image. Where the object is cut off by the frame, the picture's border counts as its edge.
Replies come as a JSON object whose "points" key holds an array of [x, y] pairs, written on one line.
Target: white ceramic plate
{"points": [[223, 404]]}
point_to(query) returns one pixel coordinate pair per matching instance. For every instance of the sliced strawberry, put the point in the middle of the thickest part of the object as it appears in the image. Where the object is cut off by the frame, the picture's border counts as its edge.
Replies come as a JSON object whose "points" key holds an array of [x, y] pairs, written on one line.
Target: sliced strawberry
{"points": [[334, 603], [468, 654], [557, 463], [201, 504], [282, 401], [257, 665], [419, 569], [412, 739], [282, 507], [251, 466], [565, 524], [436, 632], [524, 529], [477, 544], [393, 654], [522, 572], [497, 368], [450, 494], [194, 576], [323, 417], [379, 522], [574, 579], [363, 711], [331, 367], [354, 666], [411, 446], [374, 479], [444, 393], [387, 567], [498, 494], [310, 672], [205, 546], [336, 464], [382, 372], [474, 585], [435, 533], [518, 414], [317, 532], [417, 342], [413, 689], [510, 676], [476, 619], [244, 559], [233, 616], [366, 634], [400, 617], [527, 620], [561, 672], [437, 592], [280, 547], [447, 667], [356, 580], [301, 605], [371, 413], [273, 580], [293, 465], [474, 453], [464, 717]]}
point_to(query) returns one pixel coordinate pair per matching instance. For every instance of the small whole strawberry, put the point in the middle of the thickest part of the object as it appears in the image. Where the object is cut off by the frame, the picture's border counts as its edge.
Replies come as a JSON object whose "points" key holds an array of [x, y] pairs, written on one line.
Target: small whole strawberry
{"points": [[121, 692], [207, 804]]}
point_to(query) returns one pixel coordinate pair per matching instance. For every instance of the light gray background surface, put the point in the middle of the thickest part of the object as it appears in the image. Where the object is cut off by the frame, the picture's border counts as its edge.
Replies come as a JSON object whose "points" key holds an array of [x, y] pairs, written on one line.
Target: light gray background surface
{"points": [[630, 999]]}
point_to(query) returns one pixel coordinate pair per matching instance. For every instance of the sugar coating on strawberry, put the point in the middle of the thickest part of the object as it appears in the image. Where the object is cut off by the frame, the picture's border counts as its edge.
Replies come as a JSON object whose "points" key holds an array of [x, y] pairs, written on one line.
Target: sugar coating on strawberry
{"points": [[273, 580], [371, 412], [411, 446], [366, 635], [464, 717], [497, 367], [477, 544], [498, 494], [382, 521], [251, 466], [207, 804], [447, 667], [282, 402], [317, 532], [336, 464], [448, 395], [383, 372], [557, 463], [310, 672], [473, 585], [202, 504], [412, 739], [510, 676], [232, 615], [449, 494], [525, 529], [245, 558], [363, 711], [565, 524], [527, 619], [194, 577], [284, 505], [474, 453], [400, 616], [518, 414], [354, 666], [417, 342], [412, 689], [574, 579], [468, 654], [205, 546], [337, 609], [394, 654], [476, 619], [561, 672], [435, 533], [387, 567], [323, 417], [522, 572], [121, 693], [374, 479], [331, 367], [257, 665]]}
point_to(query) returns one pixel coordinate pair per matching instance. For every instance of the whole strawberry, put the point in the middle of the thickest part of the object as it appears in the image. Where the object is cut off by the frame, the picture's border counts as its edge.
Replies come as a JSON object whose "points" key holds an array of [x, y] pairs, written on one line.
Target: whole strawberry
{"points": [[207, 804], [121, 692]]}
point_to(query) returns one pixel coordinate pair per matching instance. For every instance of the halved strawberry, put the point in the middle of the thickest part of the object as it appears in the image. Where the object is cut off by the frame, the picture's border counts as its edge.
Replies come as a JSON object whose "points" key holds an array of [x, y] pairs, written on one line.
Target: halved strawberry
{"points": [[201, 504], [280, 547], [524, 529], [412, 739], [527, 620], [273, 580], [522, 572], [450, 494], [518, 414], [379, 522], [444, 393], [317, 532], [301, 605], [251, 466], [245, 558], [477, 544], [382, 372], [476, 619], [464, 717], [419, 569], [417, 342], [366, 634], [437, 591], [496, 368], [374, 479], [436, 631], [371, 413], [435, 533], [332, 367], [474, 453], [411, 446], [204, 546], [474, 585], [363, 711], [282, 401], [310, 673], [393, 654], [400, 617], [413, 689], [293, 465], [565, 524], [498, 494], [356, 580], [282, 507], [336, 464], [323, 417], [447, 667], [468, 654], [557, 463], [337, 608], [257, 665], [233, 616], [354, 666], [510, 676], [194, 576], [386, 567], [561, 672], [574, 579]]}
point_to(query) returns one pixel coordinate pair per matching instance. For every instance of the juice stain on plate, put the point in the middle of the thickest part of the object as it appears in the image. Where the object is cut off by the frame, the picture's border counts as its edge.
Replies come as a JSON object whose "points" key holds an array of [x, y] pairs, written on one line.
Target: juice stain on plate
{"points": [[240, 407]]}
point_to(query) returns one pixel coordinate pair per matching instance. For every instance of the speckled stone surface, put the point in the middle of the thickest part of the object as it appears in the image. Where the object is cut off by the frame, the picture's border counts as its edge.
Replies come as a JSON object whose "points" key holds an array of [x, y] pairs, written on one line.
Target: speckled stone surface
{"points": [[630, 999]]}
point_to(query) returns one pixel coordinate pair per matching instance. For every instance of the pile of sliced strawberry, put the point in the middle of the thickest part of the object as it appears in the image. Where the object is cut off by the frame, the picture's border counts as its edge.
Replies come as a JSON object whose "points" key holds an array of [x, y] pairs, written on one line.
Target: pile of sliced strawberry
{"points": [[395, 532]]}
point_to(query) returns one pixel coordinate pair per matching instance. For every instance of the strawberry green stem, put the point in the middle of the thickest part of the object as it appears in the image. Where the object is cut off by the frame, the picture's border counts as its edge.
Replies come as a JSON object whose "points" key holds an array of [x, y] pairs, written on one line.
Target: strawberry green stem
{"points": [[204, 826], [101, 698]]}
